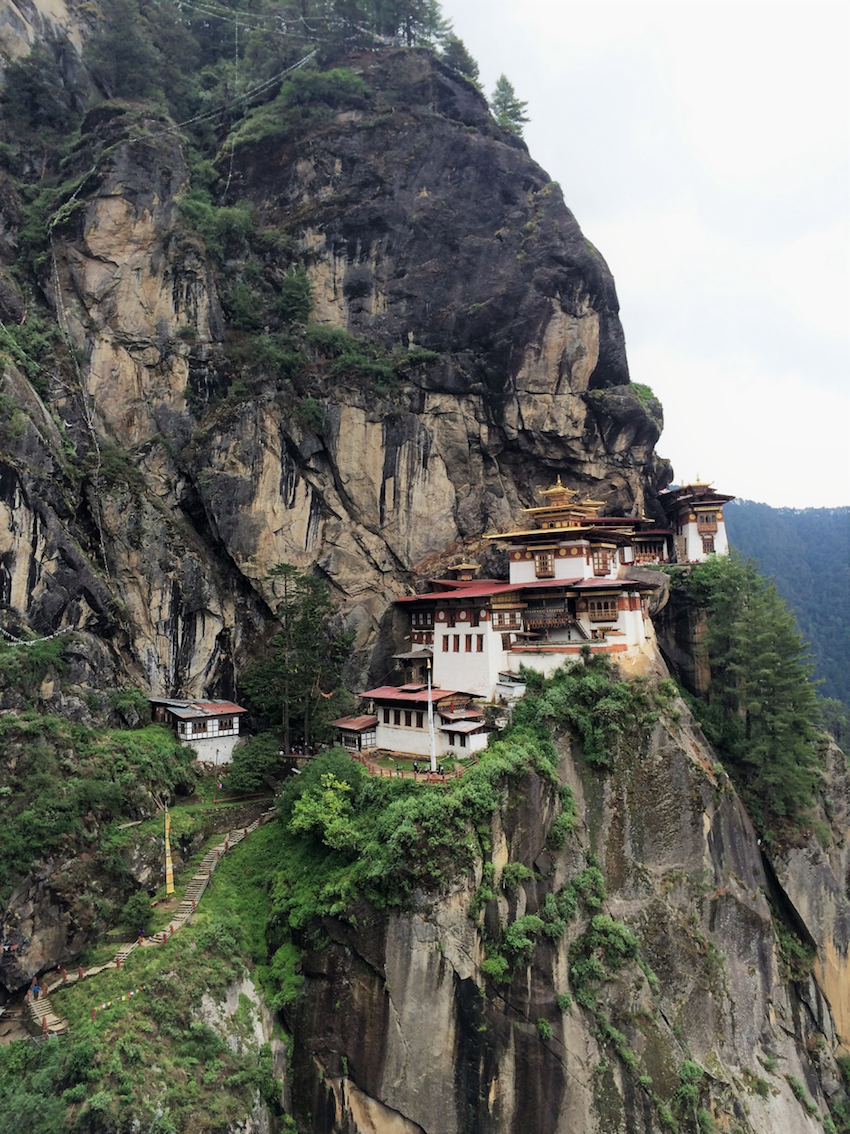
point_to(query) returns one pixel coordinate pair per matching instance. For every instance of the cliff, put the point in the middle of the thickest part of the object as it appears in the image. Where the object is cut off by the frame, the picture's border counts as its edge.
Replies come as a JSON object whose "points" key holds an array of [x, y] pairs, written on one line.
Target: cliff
{"points": [[403, 1025], [355, 340], [188, 438]]}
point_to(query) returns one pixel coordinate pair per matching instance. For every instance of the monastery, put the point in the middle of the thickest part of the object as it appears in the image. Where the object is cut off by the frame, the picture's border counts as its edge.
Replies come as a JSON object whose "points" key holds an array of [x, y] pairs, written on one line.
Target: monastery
{"points": [[569, 588]]}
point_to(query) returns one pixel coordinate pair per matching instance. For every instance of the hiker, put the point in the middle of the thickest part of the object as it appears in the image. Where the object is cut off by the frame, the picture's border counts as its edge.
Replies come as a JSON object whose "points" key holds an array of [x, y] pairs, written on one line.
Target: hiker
{"points": [[440, 771], [35, 991], [416, 767]]}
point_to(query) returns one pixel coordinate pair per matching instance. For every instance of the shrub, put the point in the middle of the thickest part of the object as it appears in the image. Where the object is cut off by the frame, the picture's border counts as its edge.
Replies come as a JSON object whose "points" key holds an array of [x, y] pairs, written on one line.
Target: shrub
{"points": [[544, 1028], [137, 912], [295, 301], [514, 873]]}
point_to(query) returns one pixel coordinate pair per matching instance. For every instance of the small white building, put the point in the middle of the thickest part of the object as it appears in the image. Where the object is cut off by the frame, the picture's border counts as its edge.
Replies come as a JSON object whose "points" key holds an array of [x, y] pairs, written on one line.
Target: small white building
{"points": [[397, 720], [211, 728], [695, 512]]}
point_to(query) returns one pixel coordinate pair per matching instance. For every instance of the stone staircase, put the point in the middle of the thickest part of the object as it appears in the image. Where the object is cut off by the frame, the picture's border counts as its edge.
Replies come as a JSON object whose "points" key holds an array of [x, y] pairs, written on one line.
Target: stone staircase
{"points": [[41, 1012]]}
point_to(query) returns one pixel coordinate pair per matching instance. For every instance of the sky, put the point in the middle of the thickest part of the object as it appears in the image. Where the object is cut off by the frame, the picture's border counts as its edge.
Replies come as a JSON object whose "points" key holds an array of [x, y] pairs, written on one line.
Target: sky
{"points": [[704, 148]]}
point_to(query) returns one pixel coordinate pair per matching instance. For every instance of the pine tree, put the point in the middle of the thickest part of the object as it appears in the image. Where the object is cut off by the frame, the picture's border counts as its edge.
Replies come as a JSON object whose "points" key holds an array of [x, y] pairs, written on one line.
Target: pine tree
{"points": [[508, 110], [761, 703], [287, 687], [458, 58]]}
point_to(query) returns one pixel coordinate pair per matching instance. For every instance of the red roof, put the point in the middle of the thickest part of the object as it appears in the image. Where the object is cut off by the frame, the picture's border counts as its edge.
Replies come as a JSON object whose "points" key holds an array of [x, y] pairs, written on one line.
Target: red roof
{"points": [[477, 589], [356, 724], [624, 584], [219, 708], [488, 588], [393, 693]]}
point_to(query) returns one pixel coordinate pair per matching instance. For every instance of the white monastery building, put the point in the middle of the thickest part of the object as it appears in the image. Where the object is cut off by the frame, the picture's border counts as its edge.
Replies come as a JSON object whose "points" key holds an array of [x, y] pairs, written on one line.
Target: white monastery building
{"points": [[568, 589], [210, 727]]}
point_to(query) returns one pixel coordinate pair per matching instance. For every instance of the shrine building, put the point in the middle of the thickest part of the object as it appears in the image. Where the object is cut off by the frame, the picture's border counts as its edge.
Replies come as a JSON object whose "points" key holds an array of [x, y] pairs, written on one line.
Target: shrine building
{"points": [[211, 728], [568, 589]]}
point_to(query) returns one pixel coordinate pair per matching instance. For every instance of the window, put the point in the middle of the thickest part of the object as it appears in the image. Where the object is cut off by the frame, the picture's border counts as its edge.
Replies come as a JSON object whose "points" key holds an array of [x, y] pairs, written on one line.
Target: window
{"points": [[480, 643], [468, 643], [224, 722], [506, 641], [386, 716], [601, 561], [506, 618], [462, 739], [603, 610], [199, 726], [707, 544], [445, 643], [544, 564], [396, 716], [420, 720], [456, 643], [408, 719]]}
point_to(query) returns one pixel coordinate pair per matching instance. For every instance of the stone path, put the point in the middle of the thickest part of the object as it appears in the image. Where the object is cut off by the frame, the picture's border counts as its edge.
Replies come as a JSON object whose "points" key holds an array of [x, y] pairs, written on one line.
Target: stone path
{"points": [[42, 1013]]}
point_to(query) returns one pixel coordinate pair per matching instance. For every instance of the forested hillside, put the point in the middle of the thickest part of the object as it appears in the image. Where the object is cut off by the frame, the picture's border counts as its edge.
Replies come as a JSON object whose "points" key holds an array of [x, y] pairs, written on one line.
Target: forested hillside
{"points": [[807, 552]]}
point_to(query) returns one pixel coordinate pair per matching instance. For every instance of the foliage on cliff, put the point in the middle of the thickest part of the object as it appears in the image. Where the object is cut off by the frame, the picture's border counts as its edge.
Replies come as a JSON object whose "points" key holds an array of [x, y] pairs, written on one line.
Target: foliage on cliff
{"points": [[352, 837], [61, 783], [298, 685], [761, 705], [162, 1061], [806, 551]]}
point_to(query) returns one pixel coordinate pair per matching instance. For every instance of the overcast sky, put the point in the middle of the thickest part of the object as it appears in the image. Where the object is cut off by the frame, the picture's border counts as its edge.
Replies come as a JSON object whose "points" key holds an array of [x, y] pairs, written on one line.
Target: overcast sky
{"points": [[704, 148]]}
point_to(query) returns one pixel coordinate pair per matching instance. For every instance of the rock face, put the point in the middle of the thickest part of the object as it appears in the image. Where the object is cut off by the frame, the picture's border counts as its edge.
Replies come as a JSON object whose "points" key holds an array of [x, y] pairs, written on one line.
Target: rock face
{"points": [[426, 232], [400, 1029]]}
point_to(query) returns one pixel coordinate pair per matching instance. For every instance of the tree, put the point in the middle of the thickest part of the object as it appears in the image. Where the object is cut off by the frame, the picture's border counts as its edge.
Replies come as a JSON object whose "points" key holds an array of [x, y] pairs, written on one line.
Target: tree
{"points": [[834, 718], [34, 95], [761, 701], [508, 110], [120, 56], [306, 659], [458, 58]]}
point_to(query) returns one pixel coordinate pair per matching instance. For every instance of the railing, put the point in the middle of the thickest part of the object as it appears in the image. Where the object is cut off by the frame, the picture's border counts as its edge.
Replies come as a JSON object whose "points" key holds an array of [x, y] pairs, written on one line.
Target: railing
{"points": [[550, 617], [607, 615]]}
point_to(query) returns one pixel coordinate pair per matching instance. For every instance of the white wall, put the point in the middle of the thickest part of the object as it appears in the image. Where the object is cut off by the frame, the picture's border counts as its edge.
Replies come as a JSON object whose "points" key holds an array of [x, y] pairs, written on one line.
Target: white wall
{"points": [[694, 542], [469, 673], [214, 749], [418, 742]]}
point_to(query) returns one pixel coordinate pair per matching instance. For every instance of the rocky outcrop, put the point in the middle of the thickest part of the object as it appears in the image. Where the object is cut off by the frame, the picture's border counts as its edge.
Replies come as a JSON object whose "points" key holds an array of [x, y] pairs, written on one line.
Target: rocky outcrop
{"points": [[400, 1029], [426, 232]]}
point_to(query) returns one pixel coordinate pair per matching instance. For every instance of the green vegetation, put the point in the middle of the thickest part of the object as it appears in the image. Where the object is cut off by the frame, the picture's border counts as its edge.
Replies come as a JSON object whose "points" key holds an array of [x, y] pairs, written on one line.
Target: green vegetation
{"points": [[62, 783], [805, 551], [508, 110], [305, 102], [24, 667], [597, 955], [643, 393], [299, 685], [153, 1060], [801, 1094], [604, 711], [137, 913], [761, 706], [458, 58]]}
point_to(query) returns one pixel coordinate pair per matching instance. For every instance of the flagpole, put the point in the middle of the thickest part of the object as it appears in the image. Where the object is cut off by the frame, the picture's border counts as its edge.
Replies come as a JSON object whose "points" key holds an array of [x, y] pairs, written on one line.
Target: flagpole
{"points": [[169, 869], [431, 723]]}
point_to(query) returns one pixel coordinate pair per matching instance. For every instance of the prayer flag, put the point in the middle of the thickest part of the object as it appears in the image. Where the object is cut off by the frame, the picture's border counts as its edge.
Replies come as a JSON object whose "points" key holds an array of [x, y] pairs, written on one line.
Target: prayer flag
{"points": [[169, 869]]}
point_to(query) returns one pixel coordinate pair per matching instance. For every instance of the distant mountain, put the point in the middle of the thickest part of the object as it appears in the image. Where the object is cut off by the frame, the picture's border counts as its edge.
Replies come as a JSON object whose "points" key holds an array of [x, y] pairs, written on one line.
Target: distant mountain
{"points": [[807, 552]]}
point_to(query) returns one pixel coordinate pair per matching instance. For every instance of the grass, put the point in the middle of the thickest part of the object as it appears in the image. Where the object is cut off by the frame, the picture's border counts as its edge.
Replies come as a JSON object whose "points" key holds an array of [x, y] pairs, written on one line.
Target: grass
{"points": [[151, 1055]]}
